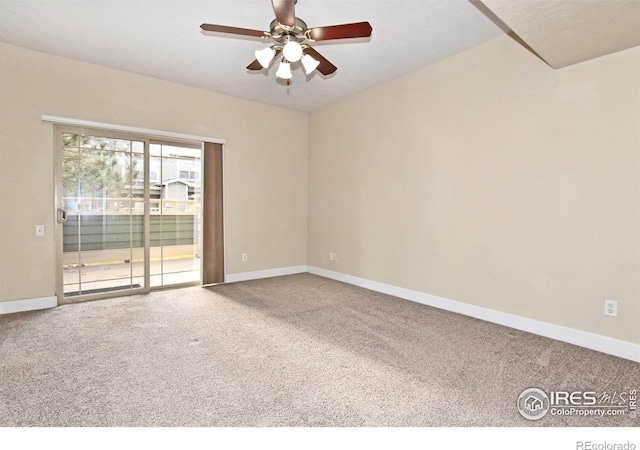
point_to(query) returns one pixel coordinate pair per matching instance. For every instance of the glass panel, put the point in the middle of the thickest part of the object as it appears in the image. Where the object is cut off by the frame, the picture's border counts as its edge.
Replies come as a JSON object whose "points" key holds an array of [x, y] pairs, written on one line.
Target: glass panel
{"points": [[104, 237], [137, 147], [103, 193], [175, 214], [155, 150]]}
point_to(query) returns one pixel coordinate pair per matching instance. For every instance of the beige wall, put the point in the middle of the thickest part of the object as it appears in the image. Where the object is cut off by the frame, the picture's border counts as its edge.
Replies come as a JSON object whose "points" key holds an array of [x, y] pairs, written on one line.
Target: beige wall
{"points": [[266, 184], [487, 178], [491, 179]]}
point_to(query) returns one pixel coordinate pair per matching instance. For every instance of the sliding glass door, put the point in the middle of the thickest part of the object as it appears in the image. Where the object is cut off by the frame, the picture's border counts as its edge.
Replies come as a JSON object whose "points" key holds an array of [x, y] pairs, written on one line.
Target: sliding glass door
{"points": [[129, 214], [175, 213], [101, 213]]}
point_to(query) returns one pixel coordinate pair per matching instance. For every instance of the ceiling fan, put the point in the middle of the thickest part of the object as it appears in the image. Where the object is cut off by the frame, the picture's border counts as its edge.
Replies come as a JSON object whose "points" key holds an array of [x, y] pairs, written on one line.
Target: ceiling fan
{"points": [[290, 36]]}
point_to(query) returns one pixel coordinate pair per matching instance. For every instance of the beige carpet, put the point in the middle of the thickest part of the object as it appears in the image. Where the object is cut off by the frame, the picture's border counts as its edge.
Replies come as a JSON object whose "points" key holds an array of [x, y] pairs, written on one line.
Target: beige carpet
{"points": [[299, 350]]}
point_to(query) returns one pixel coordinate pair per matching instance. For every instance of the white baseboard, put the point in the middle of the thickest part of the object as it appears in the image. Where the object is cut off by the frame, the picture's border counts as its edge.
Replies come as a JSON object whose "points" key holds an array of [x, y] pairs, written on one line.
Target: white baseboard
{"points": [[604, 344], [29, 304], [246, 276]]}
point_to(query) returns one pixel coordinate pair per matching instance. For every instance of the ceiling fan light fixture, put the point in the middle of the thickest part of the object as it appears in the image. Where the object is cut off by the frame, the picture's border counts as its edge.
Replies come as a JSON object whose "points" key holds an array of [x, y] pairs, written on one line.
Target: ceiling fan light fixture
{"points": [[292, 51], [265, 56], [284, 70], [309, 63], [289, 35]]}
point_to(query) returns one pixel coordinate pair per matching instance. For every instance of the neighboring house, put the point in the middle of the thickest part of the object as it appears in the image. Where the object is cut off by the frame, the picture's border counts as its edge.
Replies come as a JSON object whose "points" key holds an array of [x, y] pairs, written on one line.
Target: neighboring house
{"points": [[178, 189], [175, 180]]}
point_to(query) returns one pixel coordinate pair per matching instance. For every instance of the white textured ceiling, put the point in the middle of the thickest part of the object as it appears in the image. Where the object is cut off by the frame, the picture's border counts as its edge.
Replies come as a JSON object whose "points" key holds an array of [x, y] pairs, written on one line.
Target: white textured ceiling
{"points": [[566, 32], [163, 39]]}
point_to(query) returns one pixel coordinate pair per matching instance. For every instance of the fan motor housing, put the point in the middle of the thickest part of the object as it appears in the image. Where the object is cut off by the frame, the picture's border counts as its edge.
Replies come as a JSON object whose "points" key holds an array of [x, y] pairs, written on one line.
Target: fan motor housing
{"points": [[279, 32]]}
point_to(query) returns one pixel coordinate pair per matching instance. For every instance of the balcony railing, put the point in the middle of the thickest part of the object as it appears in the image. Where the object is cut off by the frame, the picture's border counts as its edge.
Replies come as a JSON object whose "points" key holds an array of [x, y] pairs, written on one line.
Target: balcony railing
{"points": [[113, 206], [100, 224]]}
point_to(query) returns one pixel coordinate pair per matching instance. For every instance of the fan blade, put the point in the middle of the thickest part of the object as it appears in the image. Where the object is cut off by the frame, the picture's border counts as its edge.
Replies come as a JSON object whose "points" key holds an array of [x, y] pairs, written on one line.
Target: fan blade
{"points": [[325, 67], [234, 30], [285, 12], [346, 31], [255, 65]]}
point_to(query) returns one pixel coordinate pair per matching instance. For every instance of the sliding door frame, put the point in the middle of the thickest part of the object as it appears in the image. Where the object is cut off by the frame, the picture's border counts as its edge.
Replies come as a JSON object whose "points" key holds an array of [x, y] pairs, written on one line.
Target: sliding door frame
{"points": [[58, 191], [147, 136], [193, 145]]}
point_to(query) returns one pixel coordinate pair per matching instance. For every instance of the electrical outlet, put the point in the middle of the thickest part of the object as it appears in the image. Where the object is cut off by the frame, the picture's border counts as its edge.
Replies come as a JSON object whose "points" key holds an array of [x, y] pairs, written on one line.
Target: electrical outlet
{"points": [[245, 257], [333, 256], [611, 308]]}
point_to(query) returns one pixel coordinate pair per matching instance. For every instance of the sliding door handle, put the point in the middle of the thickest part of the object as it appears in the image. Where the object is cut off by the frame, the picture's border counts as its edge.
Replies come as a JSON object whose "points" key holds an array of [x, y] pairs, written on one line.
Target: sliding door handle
{"points": [[62, 215]]}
